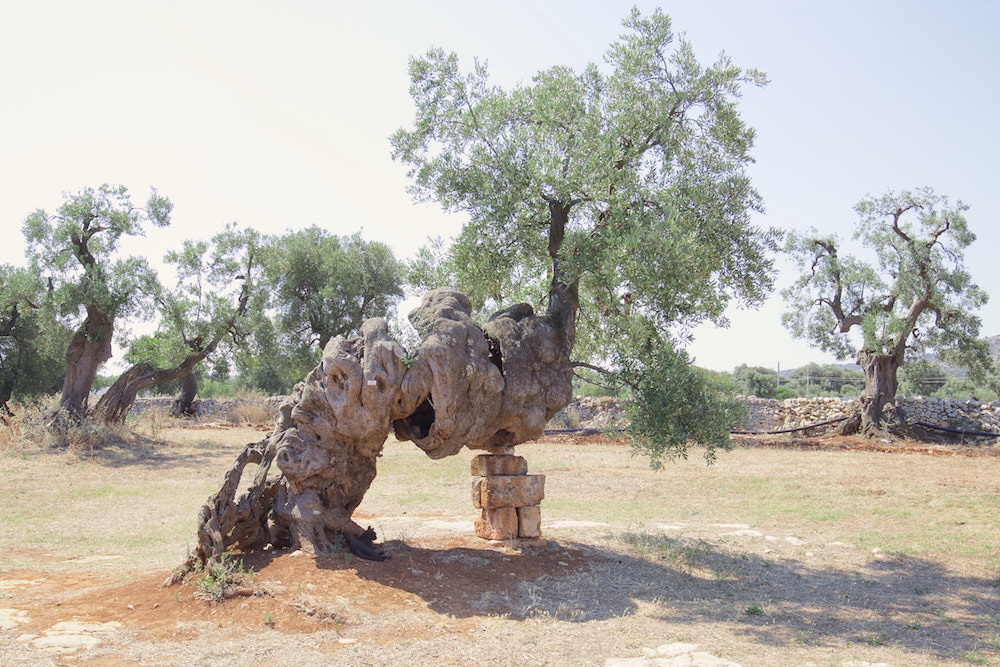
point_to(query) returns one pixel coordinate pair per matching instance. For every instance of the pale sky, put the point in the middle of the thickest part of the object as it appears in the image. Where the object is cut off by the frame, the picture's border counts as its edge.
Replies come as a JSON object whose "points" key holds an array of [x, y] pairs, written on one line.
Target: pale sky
{"points": [[277, 115]]}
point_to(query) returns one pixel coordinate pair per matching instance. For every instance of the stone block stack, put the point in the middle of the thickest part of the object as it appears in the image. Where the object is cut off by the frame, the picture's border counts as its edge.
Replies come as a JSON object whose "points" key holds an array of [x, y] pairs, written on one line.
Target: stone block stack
{"points": [[508, 496]]}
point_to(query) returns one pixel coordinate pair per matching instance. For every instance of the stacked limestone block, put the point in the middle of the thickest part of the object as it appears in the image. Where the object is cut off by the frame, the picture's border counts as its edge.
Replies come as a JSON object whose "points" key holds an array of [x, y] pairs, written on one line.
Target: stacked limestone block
{"points": [[508, 496]]}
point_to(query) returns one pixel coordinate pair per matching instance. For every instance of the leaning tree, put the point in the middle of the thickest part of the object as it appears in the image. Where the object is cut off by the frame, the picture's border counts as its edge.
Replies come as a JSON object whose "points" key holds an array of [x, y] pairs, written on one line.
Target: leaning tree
{"points": [[916, 295], [615, 199], [218, 284], [77, 248]]}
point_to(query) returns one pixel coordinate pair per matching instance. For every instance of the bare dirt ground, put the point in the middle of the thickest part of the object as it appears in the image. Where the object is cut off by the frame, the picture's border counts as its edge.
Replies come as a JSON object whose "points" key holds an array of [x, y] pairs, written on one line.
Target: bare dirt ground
{"points": [[810, 551]]}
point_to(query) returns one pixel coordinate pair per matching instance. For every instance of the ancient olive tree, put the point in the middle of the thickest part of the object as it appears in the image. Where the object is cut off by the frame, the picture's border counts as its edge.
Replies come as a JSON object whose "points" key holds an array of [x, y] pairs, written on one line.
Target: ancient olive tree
{"points": [[218, 282], [618, 196], [77, 248], [916, 294], [623, 191], [32, 339]]}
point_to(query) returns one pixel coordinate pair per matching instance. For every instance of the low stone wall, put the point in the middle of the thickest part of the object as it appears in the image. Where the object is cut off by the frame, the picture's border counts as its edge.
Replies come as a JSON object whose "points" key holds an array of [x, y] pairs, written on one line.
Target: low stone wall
{"points": [[772, 415], [766, 414]]}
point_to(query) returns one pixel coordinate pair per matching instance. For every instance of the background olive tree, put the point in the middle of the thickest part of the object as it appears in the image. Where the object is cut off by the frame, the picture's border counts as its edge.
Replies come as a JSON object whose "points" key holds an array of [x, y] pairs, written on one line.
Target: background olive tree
{"points": [[318, 286], [617, 197], [76, 248], [33, 340], [217, 285], [916, 294]]}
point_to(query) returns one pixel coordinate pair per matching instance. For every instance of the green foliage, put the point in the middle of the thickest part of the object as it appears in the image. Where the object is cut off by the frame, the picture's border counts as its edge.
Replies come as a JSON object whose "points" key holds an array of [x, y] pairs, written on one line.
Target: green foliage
{"points": [[916, 294], [784, 392], [77, 249], [921, 377], [824, 380], [326, 286], [32, 339], [961, 389], [319, 286], [625, 184], [756, 381], [218, 283], [673, 403]]}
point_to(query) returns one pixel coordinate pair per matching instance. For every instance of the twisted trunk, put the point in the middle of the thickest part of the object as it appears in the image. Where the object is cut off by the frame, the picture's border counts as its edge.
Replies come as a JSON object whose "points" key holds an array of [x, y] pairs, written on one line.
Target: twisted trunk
{"points": [[116, 403], [564, 294], [184, 402], [89, 348], [880, 387]]}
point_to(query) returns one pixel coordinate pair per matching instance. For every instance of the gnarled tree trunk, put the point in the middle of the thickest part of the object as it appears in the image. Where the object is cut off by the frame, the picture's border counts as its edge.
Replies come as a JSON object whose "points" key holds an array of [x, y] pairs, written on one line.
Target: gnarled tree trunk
{"points": [[488, 388], [183, 404], [880, 388], [117, 401], [89, 348]]}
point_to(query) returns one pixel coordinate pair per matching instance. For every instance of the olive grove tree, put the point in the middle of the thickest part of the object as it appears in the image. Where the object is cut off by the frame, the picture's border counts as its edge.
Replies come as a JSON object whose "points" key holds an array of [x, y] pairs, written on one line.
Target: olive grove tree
{"points": [[615, 200], [916, 295], [77, 249], [32, 338], [617, 196], [218, 282]]}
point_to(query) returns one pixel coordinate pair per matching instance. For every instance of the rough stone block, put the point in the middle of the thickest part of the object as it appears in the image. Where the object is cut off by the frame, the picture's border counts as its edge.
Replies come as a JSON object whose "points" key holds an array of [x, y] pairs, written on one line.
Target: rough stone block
{"points": [[512, 490], [529, 521], [497, 524], [477, 492], [485, 465]]}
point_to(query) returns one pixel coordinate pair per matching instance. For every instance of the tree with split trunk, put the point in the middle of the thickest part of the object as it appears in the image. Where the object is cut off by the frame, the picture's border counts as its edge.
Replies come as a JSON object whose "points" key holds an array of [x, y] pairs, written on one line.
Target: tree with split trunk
{"points": [[915, 296], [218, 284], [77, 248], [617, 196]]}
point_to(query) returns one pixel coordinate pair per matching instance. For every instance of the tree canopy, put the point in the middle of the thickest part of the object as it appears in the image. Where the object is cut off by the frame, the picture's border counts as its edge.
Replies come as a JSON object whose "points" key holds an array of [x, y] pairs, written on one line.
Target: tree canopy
{"points": [[325, 286], [618, 195], [915, 294], [77, 248], [217, 283], [32, 339]]}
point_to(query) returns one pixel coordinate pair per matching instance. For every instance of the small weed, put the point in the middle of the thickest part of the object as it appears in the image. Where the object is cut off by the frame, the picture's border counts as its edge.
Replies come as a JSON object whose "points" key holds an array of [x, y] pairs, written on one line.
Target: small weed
{"points": [[755, 610], [220, 577], [269, 619], [915, 625], [880, 638]]}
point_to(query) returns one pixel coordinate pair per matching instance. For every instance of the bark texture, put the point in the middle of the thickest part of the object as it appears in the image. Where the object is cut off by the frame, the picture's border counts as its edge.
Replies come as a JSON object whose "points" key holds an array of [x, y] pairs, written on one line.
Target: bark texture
{"points": [[880, 388], [487, 388], [89, 348]]}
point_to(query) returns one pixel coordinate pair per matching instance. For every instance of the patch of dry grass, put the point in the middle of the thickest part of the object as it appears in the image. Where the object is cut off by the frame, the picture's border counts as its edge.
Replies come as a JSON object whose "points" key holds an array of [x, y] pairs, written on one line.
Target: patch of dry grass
{"points": [[771, 556], [251, 408]]}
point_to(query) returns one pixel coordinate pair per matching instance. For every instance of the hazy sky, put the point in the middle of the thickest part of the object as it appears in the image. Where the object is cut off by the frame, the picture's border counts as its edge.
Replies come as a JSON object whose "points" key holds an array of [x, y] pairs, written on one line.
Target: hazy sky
{"points": [[277, 115]]}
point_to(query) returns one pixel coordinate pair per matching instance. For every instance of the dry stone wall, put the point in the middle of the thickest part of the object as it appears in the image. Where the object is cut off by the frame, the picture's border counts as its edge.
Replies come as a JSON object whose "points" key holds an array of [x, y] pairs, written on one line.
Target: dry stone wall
{"points": [[766, 414], [772, 415]]}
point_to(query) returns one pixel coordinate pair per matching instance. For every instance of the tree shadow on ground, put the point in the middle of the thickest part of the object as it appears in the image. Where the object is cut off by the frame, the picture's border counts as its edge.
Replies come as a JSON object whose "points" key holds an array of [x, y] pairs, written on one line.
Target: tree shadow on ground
{"points": [[906, 602]]}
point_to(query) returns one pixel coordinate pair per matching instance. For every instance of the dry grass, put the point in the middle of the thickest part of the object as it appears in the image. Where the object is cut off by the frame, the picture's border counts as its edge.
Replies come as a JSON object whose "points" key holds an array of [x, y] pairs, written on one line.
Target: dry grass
{"points": [[251, 408], [771, 556]]}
